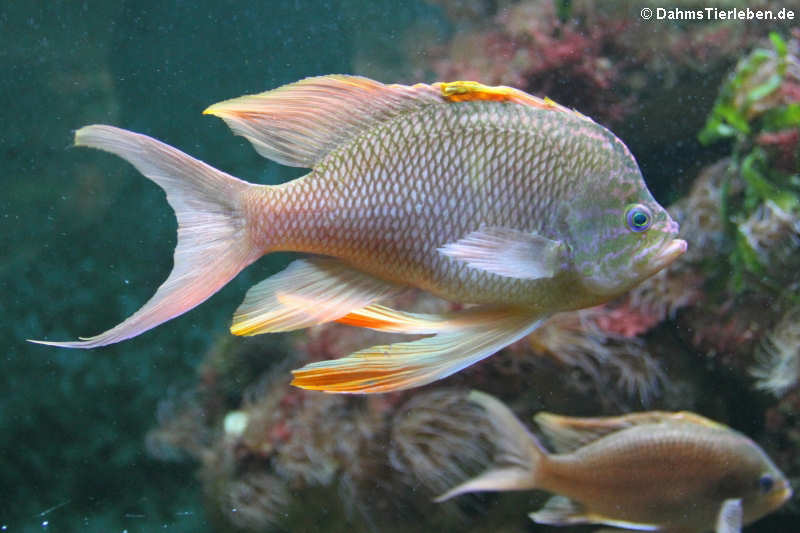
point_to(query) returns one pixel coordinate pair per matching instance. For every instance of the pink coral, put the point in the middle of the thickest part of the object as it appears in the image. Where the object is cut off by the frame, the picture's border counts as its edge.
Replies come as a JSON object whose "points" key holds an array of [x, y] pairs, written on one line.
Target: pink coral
{"points": [[528, 47], [601, 59]]}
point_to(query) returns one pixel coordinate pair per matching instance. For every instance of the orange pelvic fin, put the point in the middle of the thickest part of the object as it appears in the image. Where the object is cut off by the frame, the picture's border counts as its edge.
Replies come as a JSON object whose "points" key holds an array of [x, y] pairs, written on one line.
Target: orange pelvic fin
{"points": [[460, 342], [382, 318]]}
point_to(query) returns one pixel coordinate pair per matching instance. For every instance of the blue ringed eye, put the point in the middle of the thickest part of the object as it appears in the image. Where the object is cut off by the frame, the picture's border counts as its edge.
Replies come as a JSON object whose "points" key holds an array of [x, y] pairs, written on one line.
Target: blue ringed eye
{"points": [[638, 218], [766, 483]]}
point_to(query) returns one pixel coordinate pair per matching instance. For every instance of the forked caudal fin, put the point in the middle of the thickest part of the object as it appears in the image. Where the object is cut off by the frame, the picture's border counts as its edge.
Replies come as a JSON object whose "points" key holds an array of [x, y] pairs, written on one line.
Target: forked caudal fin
{"points": [[517, 448], [212, 242]]}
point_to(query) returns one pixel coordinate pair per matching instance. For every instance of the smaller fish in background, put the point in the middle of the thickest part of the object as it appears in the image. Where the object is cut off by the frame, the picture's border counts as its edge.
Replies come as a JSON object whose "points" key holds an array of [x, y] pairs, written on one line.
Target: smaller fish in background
{"points": [[653, 471]]}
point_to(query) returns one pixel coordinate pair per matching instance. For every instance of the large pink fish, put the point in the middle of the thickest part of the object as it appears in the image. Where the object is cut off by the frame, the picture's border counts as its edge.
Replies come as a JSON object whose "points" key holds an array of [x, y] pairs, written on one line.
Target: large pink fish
{"points": [[480, 195]]}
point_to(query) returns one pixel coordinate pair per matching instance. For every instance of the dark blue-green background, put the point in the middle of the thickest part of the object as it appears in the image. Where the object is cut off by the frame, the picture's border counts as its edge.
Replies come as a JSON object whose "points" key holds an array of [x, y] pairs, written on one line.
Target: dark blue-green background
{"points": [[85, 240]]}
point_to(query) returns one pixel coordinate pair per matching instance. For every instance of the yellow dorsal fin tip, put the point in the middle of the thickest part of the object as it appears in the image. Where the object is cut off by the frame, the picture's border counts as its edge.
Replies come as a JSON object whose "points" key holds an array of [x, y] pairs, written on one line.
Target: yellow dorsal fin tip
{"points": [[465, 91], [211, 110], [469, 91]]}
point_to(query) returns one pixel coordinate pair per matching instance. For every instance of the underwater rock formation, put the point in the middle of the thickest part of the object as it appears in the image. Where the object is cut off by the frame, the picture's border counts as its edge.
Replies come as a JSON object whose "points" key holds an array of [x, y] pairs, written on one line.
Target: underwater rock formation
{"points": [[758, 204], [366, 460]]}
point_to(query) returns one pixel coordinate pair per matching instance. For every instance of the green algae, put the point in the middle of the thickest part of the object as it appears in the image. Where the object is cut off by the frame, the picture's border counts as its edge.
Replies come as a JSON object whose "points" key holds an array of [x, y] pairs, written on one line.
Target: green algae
{"points": [[750, 108]]}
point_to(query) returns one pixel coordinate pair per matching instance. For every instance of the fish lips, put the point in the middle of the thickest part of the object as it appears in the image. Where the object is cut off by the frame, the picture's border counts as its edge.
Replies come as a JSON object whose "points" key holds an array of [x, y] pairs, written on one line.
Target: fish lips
{"points": [[775, 499], [783, 494], [669, 253]]}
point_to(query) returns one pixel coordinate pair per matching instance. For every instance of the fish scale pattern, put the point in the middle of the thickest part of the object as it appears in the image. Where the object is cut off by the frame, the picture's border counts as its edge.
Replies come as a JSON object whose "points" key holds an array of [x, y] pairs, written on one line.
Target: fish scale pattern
{"points": [[386, 201]]}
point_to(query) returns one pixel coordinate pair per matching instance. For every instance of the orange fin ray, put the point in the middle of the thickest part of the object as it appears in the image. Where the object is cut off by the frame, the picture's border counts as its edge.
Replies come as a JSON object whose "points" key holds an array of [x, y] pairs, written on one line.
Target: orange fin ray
{"points": [[382, 318], [405, 365]]}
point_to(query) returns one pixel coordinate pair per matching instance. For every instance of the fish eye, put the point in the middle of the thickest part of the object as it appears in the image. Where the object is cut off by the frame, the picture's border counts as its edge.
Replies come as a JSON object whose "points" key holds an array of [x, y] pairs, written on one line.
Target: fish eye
{"points": [[765, 483], [638, 218]]}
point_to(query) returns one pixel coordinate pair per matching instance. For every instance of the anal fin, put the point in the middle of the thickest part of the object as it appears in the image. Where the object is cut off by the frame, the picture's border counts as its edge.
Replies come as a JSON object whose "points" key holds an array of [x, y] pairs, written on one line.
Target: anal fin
{"points": [[306, 293], [562, 511]]}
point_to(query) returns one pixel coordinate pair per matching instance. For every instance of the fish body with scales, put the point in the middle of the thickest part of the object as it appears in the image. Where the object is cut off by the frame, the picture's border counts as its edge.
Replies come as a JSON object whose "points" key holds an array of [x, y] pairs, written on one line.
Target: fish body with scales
{"points": [[652, 471], [484, 196], [388, 202]]}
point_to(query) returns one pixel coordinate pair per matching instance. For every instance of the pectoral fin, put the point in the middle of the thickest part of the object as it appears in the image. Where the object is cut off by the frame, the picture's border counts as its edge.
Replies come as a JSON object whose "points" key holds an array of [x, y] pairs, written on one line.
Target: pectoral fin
{"points": [[308, 292], [411, 364], [729, 519], [508, 252]]}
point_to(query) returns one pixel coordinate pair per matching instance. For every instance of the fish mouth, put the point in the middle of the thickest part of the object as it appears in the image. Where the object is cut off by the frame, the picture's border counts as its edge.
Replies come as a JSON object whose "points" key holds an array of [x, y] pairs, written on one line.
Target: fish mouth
{"points": [[784, 494], [669, 253], [779, 496]]}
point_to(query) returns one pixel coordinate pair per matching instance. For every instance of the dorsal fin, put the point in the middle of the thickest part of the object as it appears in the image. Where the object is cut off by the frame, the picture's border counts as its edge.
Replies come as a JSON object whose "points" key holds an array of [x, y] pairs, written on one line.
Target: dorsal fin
{"points": [[566, 433], [298, 124]]}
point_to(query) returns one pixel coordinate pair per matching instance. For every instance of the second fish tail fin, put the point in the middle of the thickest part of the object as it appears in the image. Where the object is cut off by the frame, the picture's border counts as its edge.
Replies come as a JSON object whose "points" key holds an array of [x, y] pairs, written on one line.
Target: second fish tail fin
{"points": [[519, 455], [213, 243]]}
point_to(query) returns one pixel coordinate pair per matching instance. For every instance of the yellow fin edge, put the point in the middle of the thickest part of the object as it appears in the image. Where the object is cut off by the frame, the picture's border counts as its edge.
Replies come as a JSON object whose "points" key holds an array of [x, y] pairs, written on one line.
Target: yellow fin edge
{"points": [[470, 91], [466, 91]]}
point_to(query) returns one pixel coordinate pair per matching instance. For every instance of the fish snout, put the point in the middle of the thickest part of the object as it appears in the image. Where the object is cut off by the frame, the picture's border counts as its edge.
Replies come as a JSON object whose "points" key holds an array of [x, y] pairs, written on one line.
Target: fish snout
{"points": [[784, 493], [669, 253], [672, 227]]}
